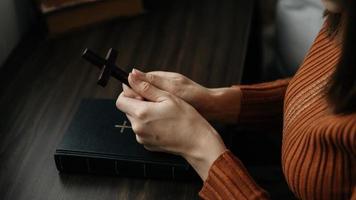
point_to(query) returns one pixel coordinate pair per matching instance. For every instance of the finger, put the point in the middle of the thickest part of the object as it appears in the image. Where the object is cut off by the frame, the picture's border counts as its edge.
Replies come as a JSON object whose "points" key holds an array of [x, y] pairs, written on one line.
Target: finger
{"points": [[137, 127], [152, 148], [131, 106], [131, 119], [140, 139], [146, 90], [162, 74], [159, 79], [167, 75], [128, 92]]}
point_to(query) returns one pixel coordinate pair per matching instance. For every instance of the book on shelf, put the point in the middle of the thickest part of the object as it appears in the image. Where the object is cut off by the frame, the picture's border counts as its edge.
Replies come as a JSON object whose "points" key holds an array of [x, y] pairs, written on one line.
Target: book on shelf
{"points": [[62, 16], [99, 140]]}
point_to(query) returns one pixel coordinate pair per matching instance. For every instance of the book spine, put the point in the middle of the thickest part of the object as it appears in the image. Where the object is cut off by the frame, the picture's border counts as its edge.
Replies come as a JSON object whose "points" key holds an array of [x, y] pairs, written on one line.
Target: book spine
{"points": [[103, 166]]}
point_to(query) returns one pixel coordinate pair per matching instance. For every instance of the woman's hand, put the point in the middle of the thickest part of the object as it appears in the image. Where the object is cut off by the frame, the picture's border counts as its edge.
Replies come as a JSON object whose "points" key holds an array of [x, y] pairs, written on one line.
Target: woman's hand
{"points": [[221, 104], [166, 123]]}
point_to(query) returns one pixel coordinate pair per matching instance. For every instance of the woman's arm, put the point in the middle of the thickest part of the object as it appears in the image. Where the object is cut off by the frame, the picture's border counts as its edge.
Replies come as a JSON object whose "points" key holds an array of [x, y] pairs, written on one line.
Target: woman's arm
{"points": [[249, 105], [262, 105]]}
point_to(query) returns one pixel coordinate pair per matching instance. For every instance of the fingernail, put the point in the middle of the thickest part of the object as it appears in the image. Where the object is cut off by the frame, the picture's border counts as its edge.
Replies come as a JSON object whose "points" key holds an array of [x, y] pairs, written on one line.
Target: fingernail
{"points": [[138, 72], [134, 77]]}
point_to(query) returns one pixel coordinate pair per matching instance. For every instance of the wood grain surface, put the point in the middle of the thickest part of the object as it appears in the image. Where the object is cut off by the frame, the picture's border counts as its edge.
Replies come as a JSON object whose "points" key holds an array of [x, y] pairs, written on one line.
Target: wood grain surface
{"points": [[44, 81]]}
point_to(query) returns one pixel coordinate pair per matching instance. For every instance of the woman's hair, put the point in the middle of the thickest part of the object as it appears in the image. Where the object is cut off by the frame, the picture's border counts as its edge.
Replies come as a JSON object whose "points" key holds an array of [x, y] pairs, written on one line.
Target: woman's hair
{"points": [[341, 90], [333, 21]]}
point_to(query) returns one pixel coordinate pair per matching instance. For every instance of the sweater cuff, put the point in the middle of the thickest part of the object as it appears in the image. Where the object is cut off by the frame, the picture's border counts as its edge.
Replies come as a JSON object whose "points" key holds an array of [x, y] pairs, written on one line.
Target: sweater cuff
{"points": [[262, 104], [229, 179]]}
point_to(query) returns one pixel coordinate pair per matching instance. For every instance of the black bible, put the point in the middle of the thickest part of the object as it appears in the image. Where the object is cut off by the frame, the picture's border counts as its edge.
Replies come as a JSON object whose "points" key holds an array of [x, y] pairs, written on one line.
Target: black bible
{"points": [[99, 140]]}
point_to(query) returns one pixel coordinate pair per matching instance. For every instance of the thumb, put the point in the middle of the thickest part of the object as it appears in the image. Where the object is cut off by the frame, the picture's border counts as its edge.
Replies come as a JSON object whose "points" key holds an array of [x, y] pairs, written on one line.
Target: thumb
{"points": [[146, 89]]}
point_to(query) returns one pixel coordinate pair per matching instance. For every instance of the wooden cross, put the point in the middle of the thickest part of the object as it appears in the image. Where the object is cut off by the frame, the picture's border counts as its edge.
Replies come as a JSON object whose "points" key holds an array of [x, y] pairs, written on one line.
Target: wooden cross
{"points": [[107, 66], [123, 126]]}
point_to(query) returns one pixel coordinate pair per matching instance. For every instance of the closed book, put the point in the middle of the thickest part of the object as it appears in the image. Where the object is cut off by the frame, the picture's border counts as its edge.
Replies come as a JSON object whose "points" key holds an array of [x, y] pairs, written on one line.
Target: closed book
{"points": [[99, 140], [62, 16]]}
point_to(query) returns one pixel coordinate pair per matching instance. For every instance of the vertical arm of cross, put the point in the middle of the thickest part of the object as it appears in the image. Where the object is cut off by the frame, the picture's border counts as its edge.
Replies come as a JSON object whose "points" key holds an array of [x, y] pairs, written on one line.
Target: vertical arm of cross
{"points": [[108, 67]]}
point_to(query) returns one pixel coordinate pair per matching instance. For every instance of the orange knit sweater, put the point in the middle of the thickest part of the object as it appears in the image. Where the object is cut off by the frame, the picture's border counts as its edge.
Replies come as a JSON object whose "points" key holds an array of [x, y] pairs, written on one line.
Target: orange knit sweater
{"points": [[318, 147]]}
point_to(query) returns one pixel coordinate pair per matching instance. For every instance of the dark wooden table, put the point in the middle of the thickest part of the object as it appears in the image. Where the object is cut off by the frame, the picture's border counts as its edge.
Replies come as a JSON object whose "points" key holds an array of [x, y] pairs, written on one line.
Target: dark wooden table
{"points": [[44, 81]]}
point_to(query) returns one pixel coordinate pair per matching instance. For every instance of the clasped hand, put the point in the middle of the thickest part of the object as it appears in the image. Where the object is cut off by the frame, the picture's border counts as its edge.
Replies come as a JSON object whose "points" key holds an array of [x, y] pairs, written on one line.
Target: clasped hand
{"points": [[166, 123]]}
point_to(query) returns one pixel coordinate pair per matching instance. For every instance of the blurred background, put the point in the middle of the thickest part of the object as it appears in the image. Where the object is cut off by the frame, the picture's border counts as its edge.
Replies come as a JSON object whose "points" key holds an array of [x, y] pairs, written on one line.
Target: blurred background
{"points": [[288, 28]]}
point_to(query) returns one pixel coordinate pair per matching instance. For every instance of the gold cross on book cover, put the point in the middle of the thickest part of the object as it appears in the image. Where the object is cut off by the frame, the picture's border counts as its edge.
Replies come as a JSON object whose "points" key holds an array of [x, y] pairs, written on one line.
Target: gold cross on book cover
{"points": [[123, 126]]}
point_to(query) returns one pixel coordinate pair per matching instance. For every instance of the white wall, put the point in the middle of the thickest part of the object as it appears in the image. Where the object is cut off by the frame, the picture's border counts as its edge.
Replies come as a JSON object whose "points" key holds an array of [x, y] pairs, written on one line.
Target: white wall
{"points": [[298, 22], [15, 19]]}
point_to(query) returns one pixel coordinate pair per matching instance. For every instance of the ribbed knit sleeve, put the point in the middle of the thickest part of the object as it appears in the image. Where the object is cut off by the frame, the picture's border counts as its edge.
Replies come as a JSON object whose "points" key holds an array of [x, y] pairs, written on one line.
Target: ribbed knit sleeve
{"points": [[229, 179], [262, 105]]}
